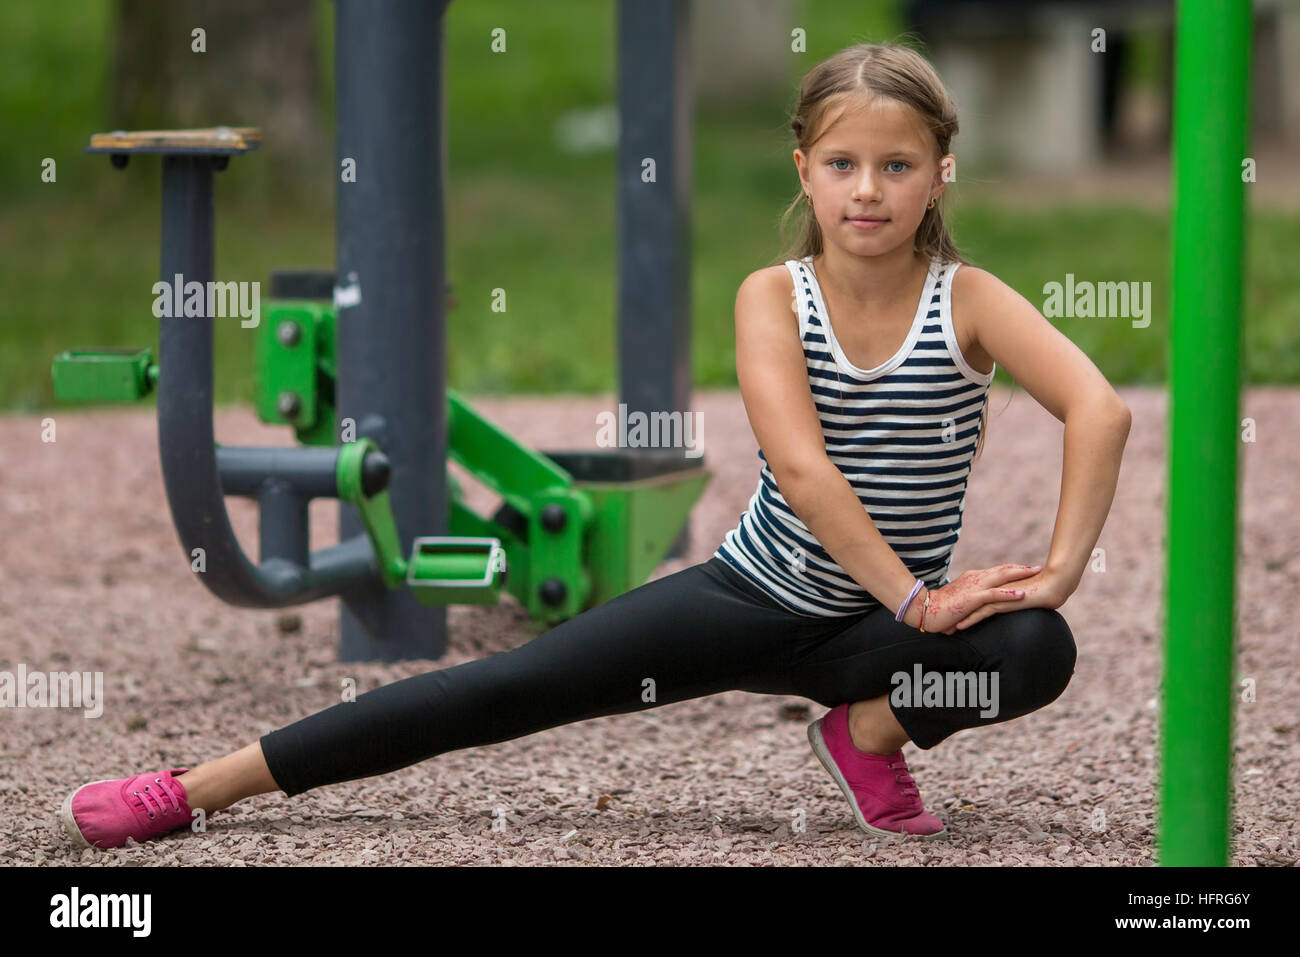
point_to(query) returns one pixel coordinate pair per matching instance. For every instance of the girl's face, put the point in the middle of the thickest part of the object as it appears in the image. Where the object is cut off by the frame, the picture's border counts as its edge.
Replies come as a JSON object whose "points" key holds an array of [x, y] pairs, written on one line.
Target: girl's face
{"points": [[875, 163]]}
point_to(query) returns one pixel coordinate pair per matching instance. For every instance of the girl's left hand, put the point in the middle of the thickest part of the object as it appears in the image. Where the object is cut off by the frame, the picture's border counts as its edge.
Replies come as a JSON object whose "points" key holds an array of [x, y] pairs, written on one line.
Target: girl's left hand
{"points": [[1047, 589]]}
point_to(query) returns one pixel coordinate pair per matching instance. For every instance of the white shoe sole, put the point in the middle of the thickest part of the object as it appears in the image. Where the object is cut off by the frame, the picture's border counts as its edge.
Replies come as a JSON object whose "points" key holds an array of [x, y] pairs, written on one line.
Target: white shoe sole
{"points": [[69, 820]]}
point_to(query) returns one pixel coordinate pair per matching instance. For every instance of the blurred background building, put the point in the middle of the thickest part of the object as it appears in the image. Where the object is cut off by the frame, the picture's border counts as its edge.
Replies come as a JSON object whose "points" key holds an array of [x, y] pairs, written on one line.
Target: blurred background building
{"points": [[1034, 96]]}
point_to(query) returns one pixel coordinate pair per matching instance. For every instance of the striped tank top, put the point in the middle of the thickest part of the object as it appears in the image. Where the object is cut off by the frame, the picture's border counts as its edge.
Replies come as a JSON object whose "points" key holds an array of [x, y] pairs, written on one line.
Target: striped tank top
{"points": [[903, 434]]}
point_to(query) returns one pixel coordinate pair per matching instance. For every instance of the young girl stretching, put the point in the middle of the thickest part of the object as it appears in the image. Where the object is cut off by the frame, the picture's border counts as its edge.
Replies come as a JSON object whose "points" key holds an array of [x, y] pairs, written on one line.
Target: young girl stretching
{"points": [[864, 363]]}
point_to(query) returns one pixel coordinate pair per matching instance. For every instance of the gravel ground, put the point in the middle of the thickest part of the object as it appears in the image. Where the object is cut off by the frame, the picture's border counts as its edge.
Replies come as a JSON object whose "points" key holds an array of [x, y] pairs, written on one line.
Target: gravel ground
{"points": [[93, 579]]}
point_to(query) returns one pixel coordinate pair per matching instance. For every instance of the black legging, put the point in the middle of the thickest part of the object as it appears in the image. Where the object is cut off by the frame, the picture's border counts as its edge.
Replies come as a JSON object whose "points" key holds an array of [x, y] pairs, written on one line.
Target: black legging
{"points": [[700, 631]]}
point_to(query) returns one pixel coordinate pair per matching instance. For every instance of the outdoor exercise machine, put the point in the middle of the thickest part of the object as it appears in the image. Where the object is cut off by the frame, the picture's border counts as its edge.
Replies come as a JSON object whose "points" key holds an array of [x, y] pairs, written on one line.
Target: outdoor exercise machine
{"points": [[354, 360]]}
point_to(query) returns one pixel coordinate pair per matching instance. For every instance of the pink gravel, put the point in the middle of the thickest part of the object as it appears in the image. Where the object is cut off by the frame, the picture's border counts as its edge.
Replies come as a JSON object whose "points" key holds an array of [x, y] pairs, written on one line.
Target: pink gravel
{"points": [[92, 579]]}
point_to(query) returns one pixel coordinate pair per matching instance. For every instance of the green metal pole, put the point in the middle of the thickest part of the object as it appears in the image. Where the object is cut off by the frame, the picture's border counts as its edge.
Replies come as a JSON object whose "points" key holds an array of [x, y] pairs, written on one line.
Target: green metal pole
{"points": [[1211, 112]]}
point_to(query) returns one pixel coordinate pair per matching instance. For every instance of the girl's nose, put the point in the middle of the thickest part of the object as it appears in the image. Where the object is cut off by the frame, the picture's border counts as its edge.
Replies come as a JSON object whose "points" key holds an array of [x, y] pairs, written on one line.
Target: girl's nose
{"points": [[867, 187]]}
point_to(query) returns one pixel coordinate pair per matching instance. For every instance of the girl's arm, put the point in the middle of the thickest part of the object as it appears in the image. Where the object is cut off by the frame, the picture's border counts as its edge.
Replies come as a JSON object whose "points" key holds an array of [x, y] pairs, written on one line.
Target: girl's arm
{"points": [[1065, 382], [1095, 434]]}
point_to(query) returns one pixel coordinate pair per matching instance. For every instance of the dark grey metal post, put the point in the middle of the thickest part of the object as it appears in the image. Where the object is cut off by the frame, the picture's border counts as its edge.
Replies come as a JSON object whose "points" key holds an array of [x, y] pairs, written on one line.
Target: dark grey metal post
{"points": [[390, 278], [654, 218], [186, 445]]}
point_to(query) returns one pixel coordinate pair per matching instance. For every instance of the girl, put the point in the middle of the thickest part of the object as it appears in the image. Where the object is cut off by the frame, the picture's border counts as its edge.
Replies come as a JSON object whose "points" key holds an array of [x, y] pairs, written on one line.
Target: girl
{"points": [[864, 362]]}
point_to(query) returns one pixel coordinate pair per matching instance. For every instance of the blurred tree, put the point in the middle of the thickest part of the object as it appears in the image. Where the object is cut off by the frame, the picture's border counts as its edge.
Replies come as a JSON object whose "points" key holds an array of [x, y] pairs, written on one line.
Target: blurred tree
{"points": [[258, 67]]}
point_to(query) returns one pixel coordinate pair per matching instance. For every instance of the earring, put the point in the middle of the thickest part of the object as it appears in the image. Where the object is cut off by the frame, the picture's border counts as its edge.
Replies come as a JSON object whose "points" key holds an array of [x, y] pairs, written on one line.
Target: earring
{"points": [[932, 202]]}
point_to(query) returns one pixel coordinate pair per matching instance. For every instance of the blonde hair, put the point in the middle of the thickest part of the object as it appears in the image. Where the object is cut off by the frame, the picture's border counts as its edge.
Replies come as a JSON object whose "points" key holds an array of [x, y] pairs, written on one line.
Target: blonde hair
{"points": [[863, 73]]}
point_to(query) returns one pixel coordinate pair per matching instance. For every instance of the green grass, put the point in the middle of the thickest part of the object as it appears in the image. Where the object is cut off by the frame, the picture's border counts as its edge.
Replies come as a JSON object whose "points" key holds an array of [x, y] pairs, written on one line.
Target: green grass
{"points": [[558, 332], [78, 258], [53, 63]]}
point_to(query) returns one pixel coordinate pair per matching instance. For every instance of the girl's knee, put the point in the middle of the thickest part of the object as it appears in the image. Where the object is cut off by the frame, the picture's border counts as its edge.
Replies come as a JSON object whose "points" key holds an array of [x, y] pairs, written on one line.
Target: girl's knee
{"points": [[1043, 647]]}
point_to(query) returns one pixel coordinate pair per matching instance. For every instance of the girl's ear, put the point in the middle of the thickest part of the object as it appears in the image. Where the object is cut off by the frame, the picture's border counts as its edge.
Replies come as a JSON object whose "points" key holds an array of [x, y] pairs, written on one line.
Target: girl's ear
{"points": [[801, 165], [937, 185]]}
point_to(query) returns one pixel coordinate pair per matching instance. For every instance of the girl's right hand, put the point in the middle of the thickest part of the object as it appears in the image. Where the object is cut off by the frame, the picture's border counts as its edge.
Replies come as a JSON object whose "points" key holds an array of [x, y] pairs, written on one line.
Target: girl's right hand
{"points": [[967, 593]]}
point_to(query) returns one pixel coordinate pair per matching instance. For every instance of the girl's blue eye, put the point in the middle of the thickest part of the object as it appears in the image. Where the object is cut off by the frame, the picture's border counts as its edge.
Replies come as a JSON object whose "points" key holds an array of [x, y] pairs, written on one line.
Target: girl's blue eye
{"points": [[843, 160]]}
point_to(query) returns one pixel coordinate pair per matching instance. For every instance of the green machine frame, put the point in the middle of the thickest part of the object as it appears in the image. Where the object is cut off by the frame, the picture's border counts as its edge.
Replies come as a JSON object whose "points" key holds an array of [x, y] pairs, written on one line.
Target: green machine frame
{"points": [[577, 528], [574, 528]]}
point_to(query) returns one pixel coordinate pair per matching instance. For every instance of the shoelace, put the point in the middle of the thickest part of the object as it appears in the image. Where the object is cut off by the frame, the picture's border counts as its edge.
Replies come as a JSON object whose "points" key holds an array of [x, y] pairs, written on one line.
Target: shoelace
{"points": [[908, 786], [145, 797]]}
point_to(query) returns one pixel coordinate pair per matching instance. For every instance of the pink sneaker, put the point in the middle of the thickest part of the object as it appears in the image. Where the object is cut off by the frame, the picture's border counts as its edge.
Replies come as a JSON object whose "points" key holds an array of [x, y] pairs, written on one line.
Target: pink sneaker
{"points": [[880, 790], [143, 806]]}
